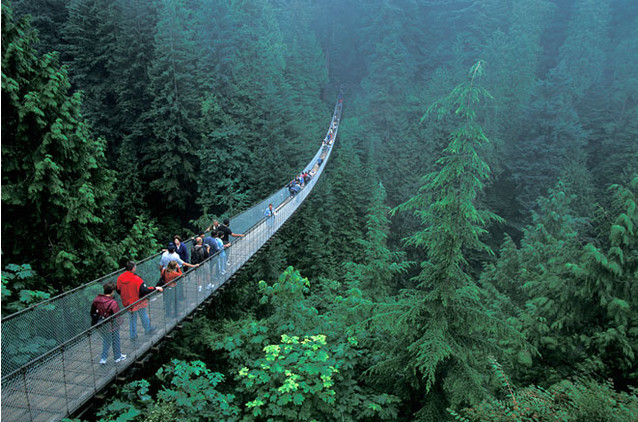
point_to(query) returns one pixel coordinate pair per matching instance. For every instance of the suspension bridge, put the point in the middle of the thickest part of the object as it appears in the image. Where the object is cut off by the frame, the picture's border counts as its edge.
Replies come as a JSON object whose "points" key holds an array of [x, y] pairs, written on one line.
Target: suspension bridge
{"points": [[51, 353]]}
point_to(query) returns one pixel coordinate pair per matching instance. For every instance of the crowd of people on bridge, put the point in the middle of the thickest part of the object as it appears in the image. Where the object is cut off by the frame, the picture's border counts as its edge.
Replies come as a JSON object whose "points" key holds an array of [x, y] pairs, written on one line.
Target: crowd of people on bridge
{"points": [[175, 261]]}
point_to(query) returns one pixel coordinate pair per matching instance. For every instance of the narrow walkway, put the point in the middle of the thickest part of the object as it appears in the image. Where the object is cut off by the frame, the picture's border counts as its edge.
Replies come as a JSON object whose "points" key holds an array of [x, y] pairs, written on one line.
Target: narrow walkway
{"points": [[66, 372]]}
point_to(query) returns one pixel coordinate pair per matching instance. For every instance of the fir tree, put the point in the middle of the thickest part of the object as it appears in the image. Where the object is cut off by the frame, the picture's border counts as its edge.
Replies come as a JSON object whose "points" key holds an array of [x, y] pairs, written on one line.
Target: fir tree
{"points": [[55, 183], [606, 291], [555, 135], [129, 64], [541, 293], [376, 272], [170, 161], [350, 186], [447, 330], [245, 117], [584, 51], [90, 39], [48, 18]]}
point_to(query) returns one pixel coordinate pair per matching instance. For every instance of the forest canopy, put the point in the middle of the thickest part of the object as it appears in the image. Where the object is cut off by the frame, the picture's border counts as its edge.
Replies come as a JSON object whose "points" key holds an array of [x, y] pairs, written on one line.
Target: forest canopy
{"points": [[471, 252]]}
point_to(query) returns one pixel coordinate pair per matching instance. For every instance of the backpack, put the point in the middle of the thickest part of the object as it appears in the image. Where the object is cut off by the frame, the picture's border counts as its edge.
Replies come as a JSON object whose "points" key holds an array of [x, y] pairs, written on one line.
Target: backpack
{"points": [[200, 253], [96, 318]]}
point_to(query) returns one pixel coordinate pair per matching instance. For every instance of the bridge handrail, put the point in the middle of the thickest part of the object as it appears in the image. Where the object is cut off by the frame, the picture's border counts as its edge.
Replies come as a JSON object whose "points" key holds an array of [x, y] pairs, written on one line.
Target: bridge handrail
{"points": [[69, 309], [119, 271], [56, 383]]}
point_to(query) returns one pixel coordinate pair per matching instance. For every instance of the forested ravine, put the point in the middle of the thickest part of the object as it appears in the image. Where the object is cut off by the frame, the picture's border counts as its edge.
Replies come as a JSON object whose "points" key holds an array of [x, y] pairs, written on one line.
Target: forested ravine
{"points": [[471, 252]]}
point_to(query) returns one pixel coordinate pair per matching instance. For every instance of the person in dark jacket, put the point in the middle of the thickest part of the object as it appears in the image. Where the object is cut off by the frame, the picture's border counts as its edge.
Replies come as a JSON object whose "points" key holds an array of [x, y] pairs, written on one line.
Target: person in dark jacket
{"points": [[131, 288], [199, 254], [225, 232], [181, 248], [200, 251], [105, 306]]}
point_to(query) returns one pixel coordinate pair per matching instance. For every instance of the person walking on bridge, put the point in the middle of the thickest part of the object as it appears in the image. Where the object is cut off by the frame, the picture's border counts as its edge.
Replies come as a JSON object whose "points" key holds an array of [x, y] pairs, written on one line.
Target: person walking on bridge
{"points": [[181, 248], [199, 254], [200, 251], [131, 288], [105, 306], [225, 232], [171, 255], [270, 211]]}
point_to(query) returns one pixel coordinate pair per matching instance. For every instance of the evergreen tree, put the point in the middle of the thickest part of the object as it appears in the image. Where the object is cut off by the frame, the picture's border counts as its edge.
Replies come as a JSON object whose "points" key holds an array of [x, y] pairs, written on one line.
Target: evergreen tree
{"points": [[572, 303], [244, 118], [607, 291], [513, 55], [615, 125], [169, 162], [447, 332], [554, 136], [392, 100], [48, 18], [89, 34], [377, 271], [350, 185], [310, 244], [541, 293], [305, 77], [56, 186], [584, 52], [129, 64]]}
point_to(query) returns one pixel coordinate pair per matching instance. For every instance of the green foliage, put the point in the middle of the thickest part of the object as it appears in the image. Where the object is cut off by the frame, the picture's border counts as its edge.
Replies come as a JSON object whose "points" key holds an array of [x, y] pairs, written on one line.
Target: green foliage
{"points": [[90, 37], [607, 290], [539, 157], [169, 161], [350, 187], [130, 134], [535, 279], [56, 185], [15, 296], [293, 381], [189, 393], [444, 326], [572, 302], [287, 376], [20, 342], [583, 52], [48, 18], [210, 104], [141, 241], [379, 267], [566, 401]]}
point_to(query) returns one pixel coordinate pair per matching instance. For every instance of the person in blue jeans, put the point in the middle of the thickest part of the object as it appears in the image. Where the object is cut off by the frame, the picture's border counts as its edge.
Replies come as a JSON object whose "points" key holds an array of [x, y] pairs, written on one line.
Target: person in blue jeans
{"points": [[221, 246], [102, 308], [131, 288]]}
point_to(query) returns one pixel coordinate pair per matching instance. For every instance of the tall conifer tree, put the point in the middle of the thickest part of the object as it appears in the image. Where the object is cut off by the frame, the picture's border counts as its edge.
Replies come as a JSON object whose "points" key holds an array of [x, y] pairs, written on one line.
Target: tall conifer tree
{"points": [[245, 115], [379, 266], [170, 160], [90, 40], [56, 186], [448, 332]]}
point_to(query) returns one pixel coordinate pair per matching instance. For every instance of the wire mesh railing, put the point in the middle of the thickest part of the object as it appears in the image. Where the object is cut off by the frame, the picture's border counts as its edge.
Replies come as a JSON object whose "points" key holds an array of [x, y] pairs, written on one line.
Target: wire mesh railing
{"points": [[55, 353]]}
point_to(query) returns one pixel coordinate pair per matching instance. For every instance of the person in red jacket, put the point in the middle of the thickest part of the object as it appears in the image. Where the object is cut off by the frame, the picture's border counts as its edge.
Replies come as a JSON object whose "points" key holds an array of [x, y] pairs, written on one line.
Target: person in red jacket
{"points": [[104, 305], [131, 288]]}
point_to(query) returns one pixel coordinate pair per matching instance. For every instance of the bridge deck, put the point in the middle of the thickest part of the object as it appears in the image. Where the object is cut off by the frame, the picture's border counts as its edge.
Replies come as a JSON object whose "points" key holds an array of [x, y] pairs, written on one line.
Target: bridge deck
{"points": [[57, 383]]}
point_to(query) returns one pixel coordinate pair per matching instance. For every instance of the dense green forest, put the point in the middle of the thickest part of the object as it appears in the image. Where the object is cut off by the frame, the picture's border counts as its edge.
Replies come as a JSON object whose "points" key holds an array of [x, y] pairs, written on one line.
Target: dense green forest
{"points": [[472, 250]]}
